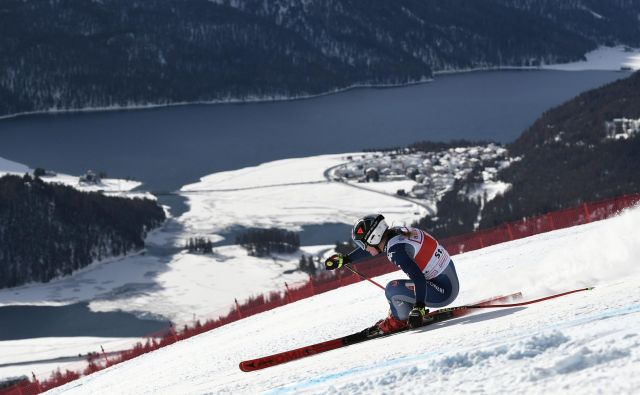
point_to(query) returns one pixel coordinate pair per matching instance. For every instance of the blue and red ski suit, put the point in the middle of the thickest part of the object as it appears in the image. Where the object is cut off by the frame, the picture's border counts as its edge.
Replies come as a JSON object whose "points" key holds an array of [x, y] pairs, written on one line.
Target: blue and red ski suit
{"points": [[432, 275]]}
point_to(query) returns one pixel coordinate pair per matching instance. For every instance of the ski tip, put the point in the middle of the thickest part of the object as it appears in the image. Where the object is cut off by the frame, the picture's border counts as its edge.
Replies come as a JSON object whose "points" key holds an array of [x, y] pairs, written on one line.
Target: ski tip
{"points": [[589, 288]]}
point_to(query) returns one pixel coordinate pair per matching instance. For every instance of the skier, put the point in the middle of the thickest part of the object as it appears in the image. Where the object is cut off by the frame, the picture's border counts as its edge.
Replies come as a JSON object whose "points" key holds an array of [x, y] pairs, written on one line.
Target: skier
{"points": [[432, 282]]}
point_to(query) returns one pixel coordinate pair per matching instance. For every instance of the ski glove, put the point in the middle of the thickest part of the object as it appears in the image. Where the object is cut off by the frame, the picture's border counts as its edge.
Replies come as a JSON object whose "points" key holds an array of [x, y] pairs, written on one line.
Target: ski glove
{"points": [[336, 261], [417, 314]]}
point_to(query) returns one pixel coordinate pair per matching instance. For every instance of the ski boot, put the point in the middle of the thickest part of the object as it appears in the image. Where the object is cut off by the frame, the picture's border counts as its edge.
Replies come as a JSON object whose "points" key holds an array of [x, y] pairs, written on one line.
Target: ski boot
{"points": [[388, 325]]}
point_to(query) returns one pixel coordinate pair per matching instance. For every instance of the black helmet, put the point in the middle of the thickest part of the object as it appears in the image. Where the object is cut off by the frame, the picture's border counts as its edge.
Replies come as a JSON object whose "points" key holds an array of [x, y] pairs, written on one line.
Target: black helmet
{"points": [[369, 230]]}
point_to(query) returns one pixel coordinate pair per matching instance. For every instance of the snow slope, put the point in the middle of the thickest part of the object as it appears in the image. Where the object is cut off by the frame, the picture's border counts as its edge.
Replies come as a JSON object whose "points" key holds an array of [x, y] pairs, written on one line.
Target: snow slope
{"points": [[7, 166], [582, 343]]}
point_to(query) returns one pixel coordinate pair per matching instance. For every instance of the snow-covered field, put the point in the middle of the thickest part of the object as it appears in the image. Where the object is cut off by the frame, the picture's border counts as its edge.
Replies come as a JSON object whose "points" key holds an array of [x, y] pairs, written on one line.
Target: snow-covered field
{"points": [[286, 193], [44, 355], [205, 286], [604, 58], [109, 186], [582, 343]]}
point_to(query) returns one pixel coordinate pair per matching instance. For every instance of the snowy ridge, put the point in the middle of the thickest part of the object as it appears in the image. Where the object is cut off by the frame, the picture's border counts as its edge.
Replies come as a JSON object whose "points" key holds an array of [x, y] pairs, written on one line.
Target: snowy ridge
{"points": [[586, 343], [7, 166]]}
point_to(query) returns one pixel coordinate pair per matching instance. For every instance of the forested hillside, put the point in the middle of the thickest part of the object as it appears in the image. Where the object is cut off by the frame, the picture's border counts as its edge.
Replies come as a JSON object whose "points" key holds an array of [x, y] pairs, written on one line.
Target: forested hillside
{"points": [[571, 154], [70, 54], [586, 149], [49, 230]]}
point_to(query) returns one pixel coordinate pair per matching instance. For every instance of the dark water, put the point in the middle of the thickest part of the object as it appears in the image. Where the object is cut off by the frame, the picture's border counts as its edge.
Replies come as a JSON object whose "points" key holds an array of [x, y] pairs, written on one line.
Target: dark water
{"points": [[319, 234], [170, 147], [310, 235], [26, 322]]}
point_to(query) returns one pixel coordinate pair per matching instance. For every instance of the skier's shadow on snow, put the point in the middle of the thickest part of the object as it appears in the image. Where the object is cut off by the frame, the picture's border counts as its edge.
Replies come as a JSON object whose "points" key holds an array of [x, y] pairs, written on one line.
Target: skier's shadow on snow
{"points": [[472, 319]]}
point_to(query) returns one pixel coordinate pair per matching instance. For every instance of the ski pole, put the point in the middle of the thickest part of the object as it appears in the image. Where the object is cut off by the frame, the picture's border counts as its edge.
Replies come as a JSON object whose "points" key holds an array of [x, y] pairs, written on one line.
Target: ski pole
{"points": [[354, 271], [490, 306]]}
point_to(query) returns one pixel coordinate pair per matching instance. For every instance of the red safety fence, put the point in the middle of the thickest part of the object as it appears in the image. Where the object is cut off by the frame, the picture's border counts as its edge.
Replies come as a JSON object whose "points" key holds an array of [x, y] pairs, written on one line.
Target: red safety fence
{"points": [[582, 214], [327, 281]]}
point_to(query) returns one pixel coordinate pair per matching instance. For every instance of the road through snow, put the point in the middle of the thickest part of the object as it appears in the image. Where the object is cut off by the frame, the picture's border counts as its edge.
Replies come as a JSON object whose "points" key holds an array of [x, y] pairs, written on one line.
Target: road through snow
{"points": [[587, 342]]}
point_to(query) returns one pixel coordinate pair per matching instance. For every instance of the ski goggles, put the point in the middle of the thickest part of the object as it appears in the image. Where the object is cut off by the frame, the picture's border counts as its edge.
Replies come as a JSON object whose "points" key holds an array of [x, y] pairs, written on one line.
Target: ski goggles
{"points": [[360, 244]]}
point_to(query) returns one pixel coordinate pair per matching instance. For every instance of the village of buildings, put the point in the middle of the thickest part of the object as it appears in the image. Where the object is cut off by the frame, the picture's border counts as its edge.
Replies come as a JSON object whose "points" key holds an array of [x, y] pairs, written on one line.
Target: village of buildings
{"points": [[432, 173]]}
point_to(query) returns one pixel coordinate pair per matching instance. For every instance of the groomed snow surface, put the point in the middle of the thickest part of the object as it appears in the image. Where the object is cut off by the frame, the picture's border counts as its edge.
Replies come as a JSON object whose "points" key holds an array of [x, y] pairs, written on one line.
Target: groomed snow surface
{"points": [[587, 342]]}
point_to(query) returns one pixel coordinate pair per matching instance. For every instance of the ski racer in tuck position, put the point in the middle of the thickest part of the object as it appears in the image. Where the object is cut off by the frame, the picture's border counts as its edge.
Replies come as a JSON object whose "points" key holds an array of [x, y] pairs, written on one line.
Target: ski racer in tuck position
{"points": [[432, 282]]}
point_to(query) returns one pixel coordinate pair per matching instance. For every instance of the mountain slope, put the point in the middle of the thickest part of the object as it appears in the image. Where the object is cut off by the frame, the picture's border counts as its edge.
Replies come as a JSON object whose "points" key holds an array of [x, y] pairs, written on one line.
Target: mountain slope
{"points": [[76, 54], [571, 155], [583, 343], [50, 230]]}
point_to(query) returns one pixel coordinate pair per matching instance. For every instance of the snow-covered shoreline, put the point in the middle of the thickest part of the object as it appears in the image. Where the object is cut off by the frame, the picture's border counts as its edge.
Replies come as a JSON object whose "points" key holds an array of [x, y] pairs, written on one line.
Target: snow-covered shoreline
{"points": [[107, 186], [288, 193], [602, 59]]}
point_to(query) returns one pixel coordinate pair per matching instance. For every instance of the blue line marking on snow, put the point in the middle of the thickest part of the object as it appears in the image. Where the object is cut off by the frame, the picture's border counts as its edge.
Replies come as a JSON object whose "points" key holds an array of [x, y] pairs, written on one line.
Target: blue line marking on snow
{"points": [[379, 365], [634, 308], [333, 376]]}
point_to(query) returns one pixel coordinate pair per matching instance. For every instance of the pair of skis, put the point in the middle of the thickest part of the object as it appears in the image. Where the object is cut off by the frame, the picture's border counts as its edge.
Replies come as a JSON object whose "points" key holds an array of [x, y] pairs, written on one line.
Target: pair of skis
{"points": [[366, 334], [431, 318]]}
